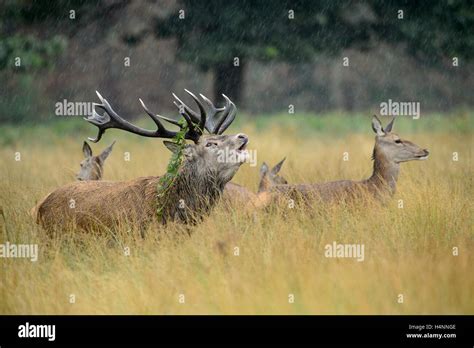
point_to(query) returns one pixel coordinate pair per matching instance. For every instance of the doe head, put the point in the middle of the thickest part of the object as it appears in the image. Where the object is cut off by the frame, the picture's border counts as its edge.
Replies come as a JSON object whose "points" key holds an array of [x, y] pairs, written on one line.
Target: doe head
{"points": [[92, 167], [394, 148], [269, 177]]}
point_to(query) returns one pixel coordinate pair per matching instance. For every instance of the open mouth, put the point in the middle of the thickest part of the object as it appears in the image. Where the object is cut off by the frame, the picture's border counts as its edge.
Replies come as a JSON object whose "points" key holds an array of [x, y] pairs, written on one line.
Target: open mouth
{"points": [[424, 155], [243, 146]]}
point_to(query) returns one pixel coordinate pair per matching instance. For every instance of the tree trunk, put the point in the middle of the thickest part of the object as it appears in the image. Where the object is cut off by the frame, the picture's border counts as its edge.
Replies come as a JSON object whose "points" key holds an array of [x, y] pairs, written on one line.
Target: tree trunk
{"points": [[228, 80]]}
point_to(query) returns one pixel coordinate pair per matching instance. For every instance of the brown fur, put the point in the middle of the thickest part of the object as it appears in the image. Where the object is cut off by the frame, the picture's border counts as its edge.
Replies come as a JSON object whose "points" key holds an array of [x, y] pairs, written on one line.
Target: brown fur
{"points": [[195, 191], [389, 152], [92, 203], [235, 193]]}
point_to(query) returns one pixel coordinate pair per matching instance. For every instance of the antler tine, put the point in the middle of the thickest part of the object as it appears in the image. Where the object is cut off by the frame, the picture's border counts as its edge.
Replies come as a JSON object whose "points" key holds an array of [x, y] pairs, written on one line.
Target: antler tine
{"points": [[96, 119], [167, 119], [170, 120], [193, 115], [210, 122], [154, 117], [180, 110], [202, 121], [191, 134], [220, 121], [218, 124], [230, 112]]}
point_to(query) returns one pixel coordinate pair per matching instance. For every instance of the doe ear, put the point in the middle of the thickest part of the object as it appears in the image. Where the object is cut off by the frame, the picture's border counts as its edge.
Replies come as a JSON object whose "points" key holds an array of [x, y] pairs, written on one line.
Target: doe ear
{"points": [[388, 129], [86, 149], [377, 126], [264, 168], [276, 169], [103, 156]]}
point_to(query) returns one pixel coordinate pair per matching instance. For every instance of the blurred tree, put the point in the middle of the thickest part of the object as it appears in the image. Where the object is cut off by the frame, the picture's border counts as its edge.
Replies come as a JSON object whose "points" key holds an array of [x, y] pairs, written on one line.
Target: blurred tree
{"points": [[223, 35], [19, 52], [29, 29], [32, 34], [430, 31]]}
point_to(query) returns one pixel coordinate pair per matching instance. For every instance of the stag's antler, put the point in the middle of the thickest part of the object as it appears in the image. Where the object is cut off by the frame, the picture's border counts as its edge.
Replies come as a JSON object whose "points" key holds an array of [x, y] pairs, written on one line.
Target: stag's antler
{"points": [[196, 123], [210, 119]]}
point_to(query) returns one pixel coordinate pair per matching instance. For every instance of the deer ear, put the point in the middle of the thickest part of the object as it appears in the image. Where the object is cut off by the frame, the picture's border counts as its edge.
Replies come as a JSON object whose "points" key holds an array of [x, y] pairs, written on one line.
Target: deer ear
{"points": [[377, 126], [173, 147], [264, 168], [388, 129], [276, 169], [188, 150], [86, 149], [103, 156]]}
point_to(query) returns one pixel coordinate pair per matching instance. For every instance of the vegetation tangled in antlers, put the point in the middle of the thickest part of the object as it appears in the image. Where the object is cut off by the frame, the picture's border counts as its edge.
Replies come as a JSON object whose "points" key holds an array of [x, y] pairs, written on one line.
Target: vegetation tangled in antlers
{"points": [[167, 180]]}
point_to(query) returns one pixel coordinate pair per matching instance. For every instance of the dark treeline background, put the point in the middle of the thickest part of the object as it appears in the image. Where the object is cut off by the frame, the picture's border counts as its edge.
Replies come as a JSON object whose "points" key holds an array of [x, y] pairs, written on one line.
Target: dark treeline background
{"points": [[289, 52]]}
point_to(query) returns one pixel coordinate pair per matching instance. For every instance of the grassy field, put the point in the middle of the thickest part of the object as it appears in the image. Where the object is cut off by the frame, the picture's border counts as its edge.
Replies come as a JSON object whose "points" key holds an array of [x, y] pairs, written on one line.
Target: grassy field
{"points": [[408, 251]]}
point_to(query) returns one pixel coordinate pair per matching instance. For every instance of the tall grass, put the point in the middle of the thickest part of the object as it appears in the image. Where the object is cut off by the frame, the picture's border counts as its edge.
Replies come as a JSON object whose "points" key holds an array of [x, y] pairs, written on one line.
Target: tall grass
{"points": [[408, 250]]}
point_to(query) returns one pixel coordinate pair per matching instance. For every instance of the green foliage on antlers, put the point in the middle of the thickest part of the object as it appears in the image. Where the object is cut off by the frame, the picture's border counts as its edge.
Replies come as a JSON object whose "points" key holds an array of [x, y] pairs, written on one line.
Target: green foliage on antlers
{"points": [[172, 170]]}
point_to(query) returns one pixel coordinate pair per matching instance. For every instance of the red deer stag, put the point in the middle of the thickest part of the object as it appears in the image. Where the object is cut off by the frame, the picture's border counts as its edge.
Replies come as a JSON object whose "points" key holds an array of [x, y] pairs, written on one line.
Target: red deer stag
{"points": [[196, 188]]}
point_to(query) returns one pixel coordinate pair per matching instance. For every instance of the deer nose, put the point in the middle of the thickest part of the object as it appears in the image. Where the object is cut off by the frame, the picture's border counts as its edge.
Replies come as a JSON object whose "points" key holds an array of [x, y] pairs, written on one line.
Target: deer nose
{"points": [[243, 137], [426, 151]]}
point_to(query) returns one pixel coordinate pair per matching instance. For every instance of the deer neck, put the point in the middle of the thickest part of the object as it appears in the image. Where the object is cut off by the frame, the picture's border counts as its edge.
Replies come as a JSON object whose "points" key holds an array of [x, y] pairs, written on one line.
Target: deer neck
{"points": [[192, 195], [385, 172]]}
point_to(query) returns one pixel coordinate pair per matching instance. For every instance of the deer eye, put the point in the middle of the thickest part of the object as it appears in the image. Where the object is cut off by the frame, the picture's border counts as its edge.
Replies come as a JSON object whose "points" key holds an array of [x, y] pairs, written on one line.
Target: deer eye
{"points": [[398, 141], [211, 144]]}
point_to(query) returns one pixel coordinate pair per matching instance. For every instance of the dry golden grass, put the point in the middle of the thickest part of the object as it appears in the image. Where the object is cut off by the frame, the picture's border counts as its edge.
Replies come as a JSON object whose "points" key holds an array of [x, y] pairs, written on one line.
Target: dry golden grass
{"points": [[408, 251]]}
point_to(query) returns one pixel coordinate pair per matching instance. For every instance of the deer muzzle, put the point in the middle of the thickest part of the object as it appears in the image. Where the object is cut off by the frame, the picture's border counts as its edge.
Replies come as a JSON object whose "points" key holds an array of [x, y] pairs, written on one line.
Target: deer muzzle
{"points": [[424, 154], [244, 139]]}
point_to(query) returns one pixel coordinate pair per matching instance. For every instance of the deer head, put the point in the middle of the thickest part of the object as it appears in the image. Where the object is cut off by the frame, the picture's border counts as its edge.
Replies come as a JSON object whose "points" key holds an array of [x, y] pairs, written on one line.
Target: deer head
{"points": [[92, 167], [203, 157], [207, 155], [269, 178], [392, 148]]}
